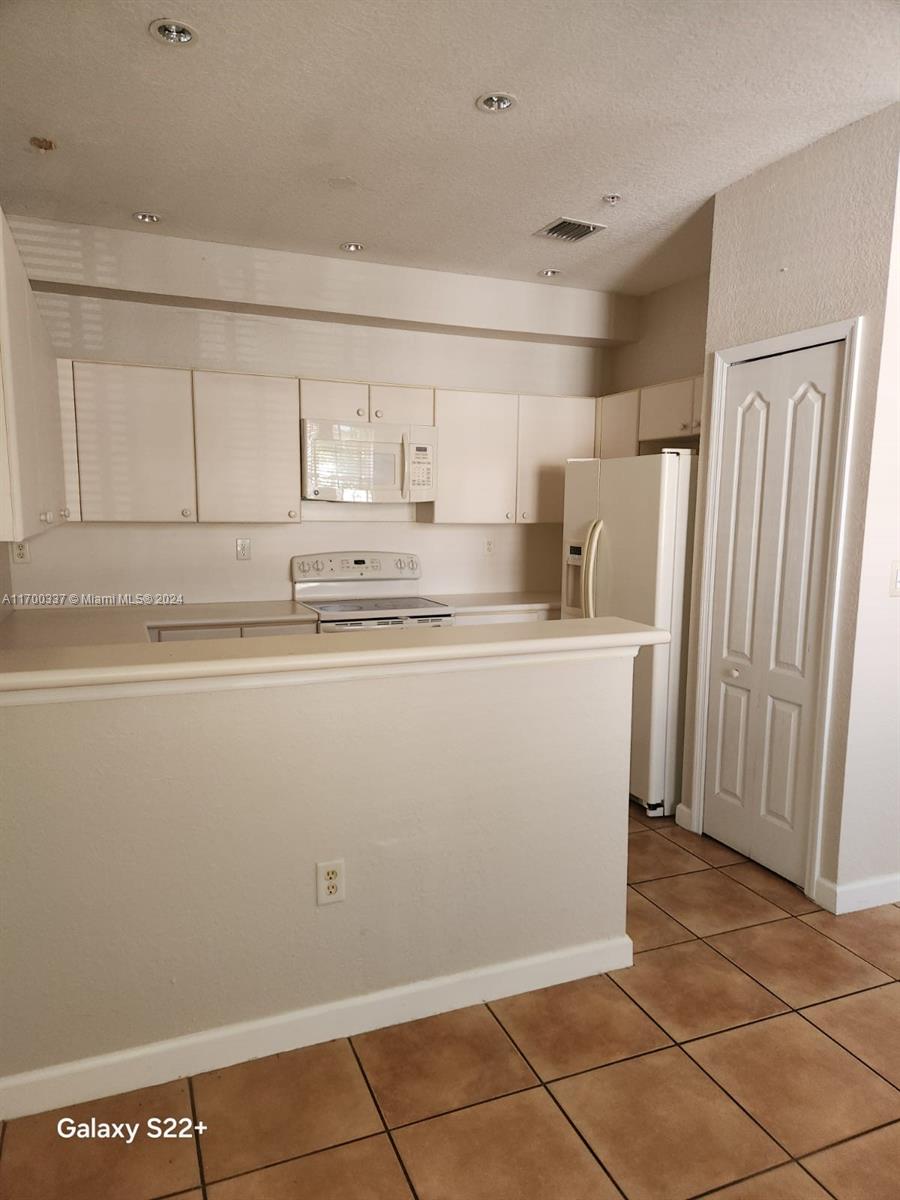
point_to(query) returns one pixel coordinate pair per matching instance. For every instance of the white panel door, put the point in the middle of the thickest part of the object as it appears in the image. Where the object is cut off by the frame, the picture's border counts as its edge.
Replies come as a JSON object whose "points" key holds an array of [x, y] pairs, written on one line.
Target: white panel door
{"points": [[551, 429], [777, 469], [617, 432], [247, 429], [401, 405], [135, 429], [333, 400], [667, 410], [476, 464]]}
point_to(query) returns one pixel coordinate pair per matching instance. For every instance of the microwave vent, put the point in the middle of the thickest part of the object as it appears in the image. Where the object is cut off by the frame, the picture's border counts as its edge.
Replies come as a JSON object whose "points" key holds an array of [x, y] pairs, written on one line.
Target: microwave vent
{"points": [[565, 229]]}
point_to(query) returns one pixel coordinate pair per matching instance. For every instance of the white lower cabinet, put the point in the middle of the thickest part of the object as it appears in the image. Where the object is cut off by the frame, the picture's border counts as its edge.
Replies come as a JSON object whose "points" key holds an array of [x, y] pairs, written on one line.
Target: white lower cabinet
{"points": [[135, 430], [551, 429], [477, 459], [247, 430]]}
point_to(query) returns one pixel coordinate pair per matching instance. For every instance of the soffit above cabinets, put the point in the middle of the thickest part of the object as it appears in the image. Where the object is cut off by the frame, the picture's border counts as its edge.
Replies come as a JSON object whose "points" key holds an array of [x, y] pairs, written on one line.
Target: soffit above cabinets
{"points": [[302, 125]]}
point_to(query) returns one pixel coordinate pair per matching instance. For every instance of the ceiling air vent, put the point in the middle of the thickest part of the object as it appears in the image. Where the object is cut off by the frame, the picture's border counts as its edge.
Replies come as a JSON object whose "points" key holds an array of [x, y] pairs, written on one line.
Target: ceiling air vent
{"points": [[564, 229]]}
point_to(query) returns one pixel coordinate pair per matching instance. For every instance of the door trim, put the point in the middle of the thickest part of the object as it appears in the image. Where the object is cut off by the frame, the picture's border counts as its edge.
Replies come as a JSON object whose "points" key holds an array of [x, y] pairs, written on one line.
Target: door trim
{"points": [[849, 332]]}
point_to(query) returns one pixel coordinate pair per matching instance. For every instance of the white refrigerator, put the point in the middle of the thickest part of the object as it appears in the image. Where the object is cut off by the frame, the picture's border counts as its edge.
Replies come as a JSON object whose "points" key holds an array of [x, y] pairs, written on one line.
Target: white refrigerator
{"points": [[627, 535]]}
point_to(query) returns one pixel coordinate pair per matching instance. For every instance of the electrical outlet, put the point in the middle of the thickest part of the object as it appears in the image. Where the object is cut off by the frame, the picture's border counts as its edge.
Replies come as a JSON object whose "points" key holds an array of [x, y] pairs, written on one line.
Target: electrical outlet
{"points": [[331, 882], [489, 545], [242, 549], [21, 552]]}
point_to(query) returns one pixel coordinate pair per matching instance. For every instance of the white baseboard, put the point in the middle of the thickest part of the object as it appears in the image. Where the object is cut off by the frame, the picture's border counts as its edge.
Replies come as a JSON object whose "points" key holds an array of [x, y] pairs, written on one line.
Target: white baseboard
{"points": [[851, 897], [158, 1062]]}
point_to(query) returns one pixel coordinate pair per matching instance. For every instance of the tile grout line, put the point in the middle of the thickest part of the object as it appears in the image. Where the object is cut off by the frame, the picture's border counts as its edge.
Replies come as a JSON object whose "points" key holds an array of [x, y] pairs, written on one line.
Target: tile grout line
{"points": [[867, 961], [193, 1101], [544, 1087], [847, 1050], [280, 1162], [387, 1130]]}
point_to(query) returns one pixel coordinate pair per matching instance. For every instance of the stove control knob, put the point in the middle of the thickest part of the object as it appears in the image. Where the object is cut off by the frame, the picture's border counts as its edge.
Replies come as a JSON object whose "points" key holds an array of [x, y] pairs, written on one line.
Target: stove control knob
{"points": [[398, 563], [319, 565]]}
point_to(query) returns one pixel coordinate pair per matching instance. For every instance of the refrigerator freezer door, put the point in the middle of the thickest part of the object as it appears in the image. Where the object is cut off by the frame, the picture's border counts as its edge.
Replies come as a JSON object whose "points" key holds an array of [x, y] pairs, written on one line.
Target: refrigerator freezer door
{"points": [[579, 514]]}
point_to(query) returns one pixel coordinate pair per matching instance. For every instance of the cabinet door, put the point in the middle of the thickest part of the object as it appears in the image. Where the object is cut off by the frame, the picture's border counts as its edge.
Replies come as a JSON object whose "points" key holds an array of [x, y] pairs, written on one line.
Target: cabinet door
{"points": [[247, 430], [330, 400], [618, 432], [666, 410], [135, 430], [551, 429], [401, 405], [476, 463], [697, 405]]}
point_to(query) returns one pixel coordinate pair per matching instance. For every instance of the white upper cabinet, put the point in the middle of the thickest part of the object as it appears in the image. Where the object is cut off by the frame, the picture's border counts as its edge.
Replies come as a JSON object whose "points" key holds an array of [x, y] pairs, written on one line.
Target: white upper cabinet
{"points": [[135, 443], [32, 487], [551, 429], [667, 410], [247, 431], [330, 400], [617, 428], [401, 405], [476, 470], [697, 406]]}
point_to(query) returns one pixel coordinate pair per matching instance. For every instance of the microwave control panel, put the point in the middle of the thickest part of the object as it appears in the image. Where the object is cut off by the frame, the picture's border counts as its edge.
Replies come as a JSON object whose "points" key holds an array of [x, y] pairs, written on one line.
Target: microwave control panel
{"points": [[421, 467]]}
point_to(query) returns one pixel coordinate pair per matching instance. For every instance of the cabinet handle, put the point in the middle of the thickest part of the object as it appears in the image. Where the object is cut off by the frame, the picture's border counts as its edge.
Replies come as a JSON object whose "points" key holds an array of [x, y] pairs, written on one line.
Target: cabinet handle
{"points": [[185, 512], [524, 516], [685, 425], [509, 516], [292, 512], [379, 413], [360, 412], [64, 514]]}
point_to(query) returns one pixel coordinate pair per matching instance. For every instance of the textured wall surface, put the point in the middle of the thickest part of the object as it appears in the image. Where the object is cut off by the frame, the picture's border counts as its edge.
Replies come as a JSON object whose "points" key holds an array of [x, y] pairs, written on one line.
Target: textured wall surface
{"points": [[671, 338], [805, 242]]}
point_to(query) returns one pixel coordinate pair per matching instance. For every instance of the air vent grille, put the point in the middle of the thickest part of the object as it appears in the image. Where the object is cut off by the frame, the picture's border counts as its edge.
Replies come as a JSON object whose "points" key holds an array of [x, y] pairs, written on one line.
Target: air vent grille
{"points": [[564, 229]]}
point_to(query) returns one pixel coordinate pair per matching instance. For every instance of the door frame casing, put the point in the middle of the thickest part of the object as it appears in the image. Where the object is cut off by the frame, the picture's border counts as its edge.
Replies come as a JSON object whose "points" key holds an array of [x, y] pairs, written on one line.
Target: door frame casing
{"points": [[849, 332]]}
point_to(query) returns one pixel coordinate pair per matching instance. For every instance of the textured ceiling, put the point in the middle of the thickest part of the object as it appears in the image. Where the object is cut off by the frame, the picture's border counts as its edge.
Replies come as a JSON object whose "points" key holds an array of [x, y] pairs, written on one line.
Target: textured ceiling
{"points": [[299, 124]]}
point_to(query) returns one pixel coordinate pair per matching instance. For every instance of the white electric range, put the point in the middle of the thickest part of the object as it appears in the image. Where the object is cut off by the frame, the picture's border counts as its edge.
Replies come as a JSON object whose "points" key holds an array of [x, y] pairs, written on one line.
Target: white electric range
{"points": [[352, 590]]}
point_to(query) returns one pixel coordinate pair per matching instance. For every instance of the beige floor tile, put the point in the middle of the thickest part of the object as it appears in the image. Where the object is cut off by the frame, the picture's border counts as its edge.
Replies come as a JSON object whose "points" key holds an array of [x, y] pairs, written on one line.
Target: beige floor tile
{"points": [[866, 1168], [664, 1130], [796, 963], [37, 1164], [578, 1025], [635, 826], [704, 847], [709, 902], [366, 1170], [653, 857], [274, 1108], [517, 1148], [649, 927], [800, 1086], [772, 887], [868, 1024], [784, 1183], [690, 990], [423, 1068], [873, 934]]}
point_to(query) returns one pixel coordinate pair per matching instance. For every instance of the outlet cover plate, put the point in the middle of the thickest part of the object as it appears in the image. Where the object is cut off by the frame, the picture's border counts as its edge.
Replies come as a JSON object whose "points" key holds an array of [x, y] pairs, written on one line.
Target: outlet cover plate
{"points": [[331, 882]]}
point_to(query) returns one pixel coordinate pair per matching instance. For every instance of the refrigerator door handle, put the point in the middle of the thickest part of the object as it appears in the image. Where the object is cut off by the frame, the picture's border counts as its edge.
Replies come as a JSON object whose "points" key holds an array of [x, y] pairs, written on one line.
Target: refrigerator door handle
{"points": [[589, 570]]}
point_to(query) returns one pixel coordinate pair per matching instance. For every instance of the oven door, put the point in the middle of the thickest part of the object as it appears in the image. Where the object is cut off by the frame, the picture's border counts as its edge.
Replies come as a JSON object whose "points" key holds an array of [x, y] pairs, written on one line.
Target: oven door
{"points": [[356, 462]]}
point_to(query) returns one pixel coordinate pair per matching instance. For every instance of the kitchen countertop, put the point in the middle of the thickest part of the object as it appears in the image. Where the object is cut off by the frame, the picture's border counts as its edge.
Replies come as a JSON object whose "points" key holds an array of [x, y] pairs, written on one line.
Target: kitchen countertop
{"points": [[75, 666], [94, 625]]}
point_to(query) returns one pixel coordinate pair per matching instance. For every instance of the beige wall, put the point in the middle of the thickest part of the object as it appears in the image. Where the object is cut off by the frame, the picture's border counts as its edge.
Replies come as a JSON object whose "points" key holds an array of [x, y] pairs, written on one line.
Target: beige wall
{"points": [[159, 862], [671, 338], [802, 243]]}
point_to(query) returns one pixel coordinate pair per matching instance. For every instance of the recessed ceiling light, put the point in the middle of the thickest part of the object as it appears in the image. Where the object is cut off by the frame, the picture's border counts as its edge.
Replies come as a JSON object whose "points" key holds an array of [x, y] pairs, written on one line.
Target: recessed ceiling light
{"points": [[612, 198], [147, 218], [495, 102], [352, 247], [549, 272], [173, 33]]}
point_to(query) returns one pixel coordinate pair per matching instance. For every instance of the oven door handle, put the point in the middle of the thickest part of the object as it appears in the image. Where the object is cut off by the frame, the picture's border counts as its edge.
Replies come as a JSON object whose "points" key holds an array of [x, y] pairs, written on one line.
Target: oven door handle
{"points": [[404, 466]]}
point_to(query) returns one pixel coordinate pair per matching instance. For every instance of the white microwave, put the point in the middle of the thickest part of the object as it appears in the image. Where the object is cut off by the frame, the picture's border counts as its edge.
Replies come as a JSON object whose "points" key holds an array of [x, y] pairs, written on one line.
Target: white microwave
{"points": [[367, 462]]}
